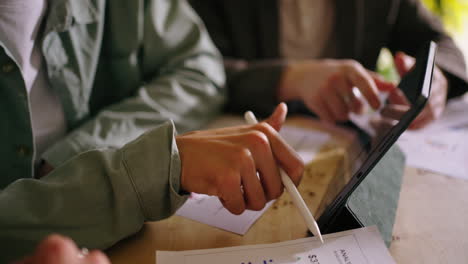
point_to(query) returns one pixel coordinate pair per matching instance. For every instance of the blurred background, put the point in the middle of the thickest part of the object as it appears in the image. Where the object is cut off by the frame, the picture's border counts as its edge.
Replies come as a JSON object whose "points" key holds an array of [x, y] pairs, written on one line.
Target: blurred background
{"points": [[454, 15]]}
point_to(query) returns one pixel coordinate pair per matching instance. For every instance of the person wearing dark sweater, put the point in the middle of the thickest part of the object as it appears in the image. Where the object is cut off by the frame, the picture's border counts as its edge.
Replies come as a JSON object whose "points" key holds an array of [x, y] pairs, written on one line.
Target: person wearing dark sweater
{"points": [[312, 53]]}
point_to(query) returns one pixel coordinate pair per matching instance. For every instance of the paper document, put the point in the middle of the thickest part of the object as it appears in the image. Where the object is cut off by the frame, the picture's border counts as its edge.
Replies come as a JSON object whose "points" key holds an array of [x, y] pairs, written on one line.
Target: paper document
{"points": [[364, 245], [444, 152], [441, 146], [209, 210]]}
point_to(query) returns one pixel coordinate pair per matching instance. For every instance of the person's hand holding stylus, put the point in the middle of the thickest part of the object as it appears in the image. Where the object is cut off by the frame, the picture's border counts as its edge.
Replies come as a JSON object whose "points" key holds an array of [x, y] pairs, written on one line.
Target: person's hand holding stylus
{"points": [[239, 164], [291, 188]]}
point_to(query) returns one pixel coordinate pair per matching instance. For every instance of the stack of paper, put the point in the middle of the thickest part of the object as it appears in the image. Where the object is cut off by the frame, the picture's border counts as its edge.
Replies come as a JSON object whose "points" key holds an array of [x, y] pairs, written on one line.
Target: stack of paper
{"points": [[357, 246]]}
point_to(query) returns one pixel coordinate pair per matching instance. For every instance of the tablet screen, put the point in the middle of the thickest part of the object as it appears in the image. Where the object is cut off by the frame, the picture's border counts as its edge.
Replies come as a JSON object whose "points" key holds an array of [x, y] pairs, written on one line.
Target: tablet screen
{"points": [[376, 131]]}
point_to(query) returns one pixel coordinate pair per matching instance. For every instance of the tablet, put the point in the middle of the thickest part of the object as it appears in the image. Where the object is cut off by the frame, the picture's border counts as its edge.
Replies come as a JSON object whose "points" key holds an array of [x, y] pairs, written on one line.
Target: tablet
{"points": [[416, 85]]}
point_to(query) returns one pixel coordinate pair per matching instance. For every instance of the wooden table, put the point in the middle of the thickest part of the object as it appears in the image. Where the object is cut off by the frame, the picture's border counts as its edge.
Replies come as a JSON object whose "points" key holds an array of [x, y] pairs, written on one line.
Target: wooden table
{"points": [[432, 219], [431, 224]]}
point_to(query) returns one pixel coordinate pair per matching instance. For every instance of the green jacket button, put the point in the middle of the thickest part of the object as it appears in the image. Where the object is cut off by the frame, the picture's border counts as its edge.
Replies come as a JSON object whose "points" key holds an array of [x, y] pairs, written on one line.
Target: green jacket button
{"points": [[9, 67]]}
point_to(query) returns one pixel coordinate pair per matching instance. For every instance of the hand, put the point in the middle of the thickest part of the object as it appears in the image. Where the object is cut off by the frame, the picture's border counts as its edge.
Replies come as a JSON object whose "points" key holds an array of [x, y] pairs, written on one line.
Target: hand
{"points": [[56, 249], [326, 87], [225, 162], [436, 103], [390, 114]]}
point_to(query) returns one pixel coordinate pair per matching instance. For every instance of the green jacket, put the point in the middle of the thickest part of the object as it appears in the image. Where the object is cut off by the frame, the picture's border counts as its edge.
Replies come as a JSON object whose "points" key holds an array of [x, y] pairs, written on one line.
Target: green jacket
{"points": [[120, 68]]}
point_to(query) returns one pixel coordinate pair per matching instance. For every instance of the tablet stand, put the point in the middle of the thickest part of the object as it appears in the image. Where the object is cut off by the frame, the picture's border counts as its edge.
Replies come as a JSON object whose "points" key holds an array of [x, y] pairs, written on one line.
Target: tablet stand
{"points": [[375, 200]]}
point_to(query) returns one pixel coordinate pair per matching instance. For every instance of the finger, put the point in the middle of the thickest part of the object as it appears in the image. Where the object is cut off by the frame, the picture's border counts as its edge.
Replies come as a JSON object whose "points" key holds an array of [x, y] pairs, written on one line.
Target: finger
{"points": [[338, 106], [359, 77], [56, 249], [382, 84], [356, 104], [424, 118], [403, 63], [356, 98], [319, 107], [269, 186], [231, 195], [287, 158], [398, 97], [327, 110], [394, 111], [420, 123], [234, 206], [334, 97], [261, 159], [266, 165], [259, 152], [276, 120], [254, 194]]}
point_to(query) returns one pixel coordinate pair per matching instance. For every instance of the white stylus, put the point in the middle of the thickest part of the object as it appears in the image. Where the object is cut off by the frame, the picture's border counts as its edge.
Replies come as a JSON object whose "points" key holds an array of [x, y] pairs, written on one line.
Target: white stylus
{"points": [[291, 188]]}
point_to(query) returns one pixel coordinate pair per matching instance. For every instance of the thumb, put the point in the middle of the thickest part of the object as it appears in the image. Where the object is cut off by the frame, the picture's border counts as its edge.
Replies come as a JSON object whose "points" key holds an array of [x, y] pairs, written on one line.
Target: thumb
{"points": [[55, 249], [276, 120], [403, 63]]}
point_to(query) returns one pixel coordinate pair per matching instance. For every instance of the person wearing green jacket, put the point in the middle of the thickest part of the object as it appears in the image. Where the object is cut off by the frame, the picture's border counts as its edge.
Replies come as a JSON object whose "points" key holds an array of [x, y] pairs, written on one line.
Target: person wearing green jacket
{"points": [[91, 95]]}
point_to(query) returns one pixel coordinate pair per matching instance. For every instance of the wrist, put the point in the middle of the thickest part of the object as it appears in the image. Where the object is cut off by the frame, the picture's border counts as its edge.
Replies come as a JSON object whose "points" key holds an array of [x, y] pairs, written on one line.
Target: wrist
{"points": [[442, 77], [287, 87]]}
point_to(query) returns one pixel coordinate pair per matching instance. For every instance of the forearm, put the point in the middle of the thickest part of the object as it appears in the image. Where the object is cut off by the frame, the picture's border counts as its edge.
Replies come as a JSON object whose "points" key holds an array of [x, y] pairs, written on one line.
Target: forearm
{"points": [[96, 198]]}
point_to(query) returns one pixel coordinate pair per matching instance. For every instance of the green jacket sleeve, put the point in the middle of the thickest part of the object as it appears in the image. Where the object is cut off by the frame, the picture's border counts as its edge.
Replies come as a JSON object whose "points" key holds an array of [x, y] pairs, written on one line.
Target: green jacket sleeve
{"points": [[96, 198], [187, 86]]}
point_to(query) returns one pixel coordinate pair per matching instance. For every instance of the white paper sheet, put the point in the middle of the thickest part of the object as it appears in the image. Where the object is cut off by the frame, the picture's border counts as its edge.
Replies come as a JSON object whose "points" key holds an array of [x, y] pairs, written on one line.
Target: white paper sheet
{"points": [[442, 146], [356, 246], [444, 152], [209, 210]]}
